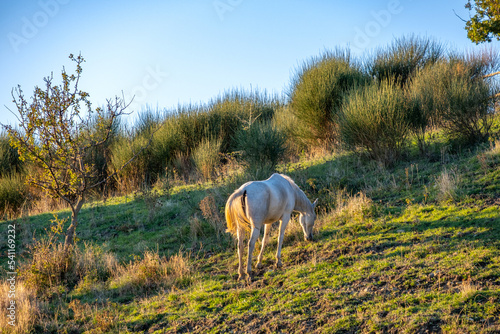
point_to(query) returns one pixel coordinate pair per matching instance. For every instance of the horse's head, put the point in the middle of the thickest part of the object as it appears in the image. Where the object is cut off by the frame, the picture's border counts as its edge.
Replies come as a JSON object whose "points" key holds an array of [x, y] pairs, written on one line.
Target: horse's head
{"points": [[306, 220]]}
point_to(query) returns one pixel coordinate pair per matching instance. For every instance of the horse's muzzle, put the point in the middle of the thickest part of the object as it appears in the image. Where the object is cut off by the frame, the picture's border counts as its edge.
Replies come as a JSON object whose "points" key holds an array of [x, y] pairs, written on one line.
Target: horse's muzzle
{"points": [[309, 237]]}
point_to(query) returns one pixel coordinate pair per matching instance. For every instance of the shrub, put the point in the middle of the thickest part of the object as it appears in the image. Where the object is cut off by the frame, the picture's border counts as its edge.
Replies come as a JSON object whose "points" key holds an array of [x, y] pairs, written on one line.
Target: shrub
{"points": [[178, 134], [466, 116], [398, 62], [162, 134], [134, 174], [9, 157], [206, 157], [94, 262], [317, 91], [422, 104], [261, 146], [476, 64], [13, 193], [451, 94], [98, 157], [375, 119], [53, 269], [287, 123], [230, 111]]}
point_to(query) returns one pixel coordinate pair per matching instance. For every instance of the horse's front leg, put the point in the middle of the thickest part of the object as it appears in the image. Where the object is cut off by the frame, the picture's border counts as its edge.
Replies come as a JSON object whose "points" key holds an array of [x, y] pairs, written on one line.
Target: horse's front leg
{"points": [[284, 222], [251, 246], [264, 240]]}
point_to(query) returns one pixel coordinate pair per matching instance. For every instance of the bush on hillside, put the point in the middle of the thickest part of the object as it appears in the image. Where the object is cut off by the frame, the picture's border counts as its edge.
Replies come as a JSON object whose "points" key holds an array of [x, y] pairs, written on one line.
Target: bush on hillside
{"points": [[13, 194], [177, 135], [232, 110], [206, 157], [476, 64], [9, 157], [375, 118], [453, 96], [400, 60], [316, 94], [262, 146], [52, 269]]}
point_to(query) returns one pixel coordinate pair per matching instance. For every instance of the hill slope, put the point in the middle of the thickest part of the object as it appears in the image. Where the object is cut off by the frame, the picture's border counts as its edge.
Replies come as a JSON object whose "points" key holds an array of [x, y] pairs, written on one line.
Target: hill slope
{"points": [[414, 248]]}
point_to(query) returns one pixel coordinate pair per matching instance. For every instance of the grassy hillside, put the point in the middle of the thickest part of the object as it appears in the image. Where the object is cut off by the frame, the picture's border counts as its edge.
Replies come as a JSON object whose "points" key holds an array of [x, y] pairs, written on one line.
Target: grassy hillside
{"points": [[410, 248]]}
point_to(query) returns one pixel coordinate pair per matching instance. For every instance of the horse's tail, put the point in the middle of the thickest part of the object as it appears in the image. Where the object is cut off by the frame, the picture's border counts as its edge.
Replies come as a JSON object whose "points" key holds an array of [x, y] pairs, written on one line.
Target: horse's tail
{"points": [[236, 212]]}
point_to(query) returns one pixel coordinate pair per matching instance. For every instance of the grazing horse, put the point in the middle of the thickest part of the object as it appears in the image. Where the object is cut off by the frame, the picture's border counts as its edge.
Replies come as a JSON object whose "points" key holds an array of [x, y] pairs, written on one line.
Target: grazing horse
{"points": [[261, 203]]}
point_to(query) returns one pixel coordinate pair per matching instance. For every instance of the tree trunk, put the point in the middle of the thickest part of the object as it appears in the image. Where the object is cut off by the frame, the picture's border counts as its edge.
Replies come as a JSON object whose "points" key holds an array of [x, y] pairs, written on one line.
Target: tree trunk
{"points": [[70, 233]]}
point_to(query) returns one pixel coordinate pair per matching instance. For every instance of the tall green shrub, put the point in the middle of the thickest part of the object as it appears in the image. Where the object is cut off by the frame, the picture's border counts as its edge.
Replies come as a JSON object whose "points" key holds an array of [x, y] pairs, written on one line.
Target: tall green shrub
{"points": [[454, 95], [179, 133], [375, 118], [9, 157], [154, 160], [317, 91], [13, 194], [262, 146], [467, 116], [237, 108], [400, 60], [206, 157]]}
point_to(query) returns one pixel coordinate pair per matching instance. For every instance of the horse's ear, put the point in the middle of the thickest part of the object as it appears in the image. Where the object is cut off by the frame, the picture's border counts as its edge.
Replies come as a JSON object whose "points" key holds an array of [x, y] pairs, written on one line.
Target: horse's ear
{"points": [[315, 202]]}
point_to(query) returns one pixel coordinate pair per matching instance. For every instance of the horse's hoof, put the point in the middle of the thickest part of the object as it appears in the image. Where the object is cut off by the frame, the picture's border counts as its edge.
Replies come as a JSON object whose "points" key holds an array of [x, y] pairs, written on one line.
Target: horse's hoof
{"points": [[241, 278], [259, 266], [279, 264], [249, 280]]}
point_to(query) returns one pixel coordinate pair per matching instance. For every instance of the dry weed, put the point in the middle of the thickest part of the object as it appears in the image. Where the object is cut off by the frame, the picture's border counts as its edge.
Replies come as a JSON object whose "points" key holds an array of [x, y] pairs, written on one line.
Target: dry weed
{"points": [[468, 289], [358, 206], [447, 185], [150, 272], [210, 212], [27, 309]]}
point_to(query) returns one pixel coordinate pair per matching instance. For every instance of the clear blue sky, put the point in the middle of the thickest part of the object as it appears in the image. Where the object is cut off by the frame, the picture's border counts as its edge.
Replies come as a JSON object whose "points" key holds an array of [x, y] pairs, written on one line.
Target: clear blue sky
{"points": [[170, 52]]}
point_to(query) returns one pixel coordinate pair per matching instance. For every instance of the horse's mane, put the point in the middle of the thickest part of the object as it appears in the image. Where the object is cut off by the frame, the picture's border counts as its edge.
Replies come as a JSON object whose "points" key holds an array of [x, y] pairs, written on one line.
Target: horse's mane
{"points": [[301, 200]]}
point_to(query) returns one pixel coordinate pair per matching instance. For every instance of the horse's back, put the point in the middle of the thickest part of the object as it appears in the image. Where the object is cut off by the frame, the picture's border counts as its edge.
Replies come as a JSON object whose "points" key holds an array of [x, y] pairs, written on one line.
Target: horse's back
{"points": [[268, 200]]}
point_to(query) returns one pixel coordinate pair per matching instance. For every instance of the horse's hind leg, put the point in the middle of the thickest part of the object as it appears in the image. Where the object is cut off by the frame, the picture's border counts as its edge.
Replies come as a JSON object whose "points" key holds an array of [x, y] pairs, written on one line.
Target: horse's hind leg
{"points": [[251, 246], [240, 235], [264, 240]]}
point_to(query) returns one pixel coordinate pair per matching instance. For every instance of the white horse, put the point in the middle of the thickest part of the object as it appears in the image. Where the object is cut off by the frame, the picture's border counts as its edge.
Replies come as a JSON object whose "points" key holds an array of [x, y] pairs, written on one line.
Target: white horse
{"points": [[259, 203]]}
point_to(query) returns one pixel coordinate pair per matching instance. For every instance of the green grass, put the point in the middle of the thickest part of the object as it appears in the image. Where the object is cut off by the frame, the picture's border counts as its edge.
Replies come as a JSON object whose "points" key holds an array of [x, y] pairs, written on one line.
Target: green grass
{"points": [[391, 255]]}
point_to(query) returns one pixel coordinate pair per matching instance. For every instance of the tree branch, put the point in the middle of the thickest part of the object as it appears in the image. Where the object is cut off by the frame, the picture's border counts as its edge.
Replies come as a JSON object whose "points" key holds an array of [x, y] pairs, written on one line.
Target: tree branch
{"points": [[459, 16], [491, 75]]}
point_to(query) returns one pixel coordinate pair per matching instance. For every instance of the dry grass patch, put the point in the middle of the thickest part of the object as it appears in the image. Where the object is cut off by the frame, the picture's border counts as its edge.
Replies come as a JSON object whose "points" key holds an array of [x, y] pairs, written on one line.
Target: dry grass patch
{"points": [[358, 206], [150, 272], [27, 308], [447, 184]]}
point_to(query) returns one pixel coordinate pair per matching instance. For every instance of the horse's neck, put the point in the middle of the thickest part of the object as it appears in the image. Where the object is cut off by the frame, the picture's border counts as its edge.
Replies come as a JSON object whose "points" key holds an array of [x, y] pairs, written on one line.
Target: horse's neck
{"points": [[302, 203]]}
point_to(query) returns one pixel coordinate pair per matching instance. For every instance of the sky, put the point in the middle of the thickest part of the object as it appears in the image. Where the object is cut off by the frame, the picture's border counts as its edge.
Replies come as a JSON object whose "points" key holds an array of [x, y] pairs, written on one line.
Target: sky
{"points": [[170, 52]]}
